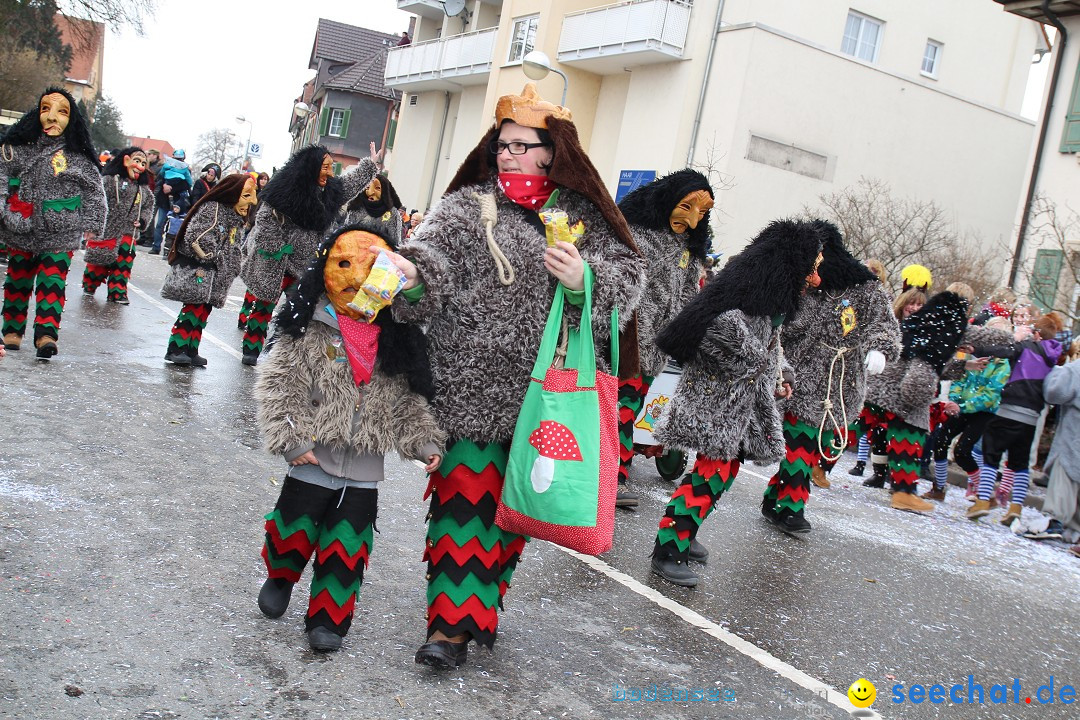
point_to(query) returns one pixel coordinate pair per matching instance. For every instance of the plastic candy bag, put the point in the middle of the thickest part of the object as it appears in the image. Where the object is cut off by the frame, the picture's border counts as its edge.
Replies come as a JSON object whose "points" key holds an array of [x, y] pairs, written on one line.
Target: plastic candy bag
{"points": [[557, 227], [383, 282]]}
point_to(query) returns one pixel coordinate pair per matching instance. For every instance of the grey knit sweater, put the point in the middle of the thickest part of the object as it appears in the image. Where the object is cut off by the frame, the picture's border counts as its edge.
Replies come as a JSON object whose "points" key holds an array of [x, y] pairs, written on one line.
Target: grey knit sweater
{"points": [[48, 172], [815, 337], [671, 281], [483, 336]]}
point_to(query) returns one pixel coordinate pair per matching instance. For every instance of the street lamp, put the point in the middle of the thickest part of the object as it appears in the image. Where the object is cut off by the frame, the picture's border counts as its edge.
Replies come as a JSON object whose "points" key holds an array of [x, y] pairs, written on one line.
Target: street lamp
{"points": [[536, 65], [241, 119]]}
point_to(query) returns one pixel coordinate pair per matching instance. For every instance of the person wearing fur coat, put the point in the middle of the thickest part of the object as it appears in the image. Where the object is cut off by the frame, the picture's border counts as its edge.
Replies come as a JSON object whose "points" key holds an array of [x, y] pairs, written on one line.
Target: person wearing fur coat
{"points": [[669, 219], [203, 262], [482, 277], [898, 400], [51, 180], [334, 396], [845, 330], [296, 209], [130, 210], [724, 406], [378, 208]]}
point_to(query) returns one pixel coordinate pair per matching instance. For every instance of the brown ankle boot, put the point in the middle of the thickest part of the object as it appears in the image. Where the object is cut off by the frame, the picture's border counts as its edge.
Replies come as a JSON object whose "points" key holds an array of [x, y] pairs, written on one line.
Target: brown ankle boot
{"points": [[981, 508], [934, 494], [12, 341], [819, 478], [46, 347], [910, 502], [1011, 514]]}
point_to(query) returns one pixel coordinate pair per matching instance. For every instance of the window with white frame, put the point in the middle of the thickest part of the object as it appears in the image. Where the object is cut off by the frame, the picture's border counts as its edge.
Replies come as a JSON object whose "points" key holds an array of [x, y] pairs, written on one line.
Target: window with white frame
{"points": [[931, 59], [862, 36], [523, 38], [337, 120]]}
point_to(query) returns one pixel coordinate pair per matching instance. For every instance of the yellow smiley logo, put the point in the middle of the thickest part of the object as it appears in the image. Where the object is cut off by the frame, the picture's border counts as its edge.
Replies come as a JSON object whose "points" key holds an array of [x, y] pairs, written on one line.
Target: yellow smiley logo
{"points": [[862, 693]]}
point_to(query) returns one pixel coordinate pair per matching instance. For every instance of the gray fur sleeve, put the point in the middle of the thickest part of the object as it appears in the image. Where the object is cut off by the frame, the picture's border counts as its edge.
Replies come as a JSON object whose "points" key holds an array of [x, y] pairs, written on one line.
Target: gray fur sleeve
{"points": [[358, 178], [919, 384], [953, 370], [884, 335], [417, 431], [94, 207], [283, 394], [729, 335], [431, 249], [268, 235]]}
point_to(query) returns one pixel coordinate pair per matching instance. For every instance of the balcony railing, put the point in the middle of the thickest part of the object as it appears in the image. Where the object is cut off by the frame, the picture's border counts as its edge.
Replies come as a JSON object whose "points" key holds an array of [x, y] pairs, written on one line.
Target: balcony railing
{"points": [[442, 64], [639, 32], [426, 8]]}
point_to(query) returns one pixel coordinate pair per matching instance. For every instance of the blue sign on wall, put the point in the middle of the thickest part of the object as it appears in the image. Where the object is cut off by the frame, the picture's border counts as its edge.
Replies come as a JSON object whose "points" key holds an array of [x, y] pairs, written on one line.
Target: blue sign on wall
{"points": [[632, 179]]}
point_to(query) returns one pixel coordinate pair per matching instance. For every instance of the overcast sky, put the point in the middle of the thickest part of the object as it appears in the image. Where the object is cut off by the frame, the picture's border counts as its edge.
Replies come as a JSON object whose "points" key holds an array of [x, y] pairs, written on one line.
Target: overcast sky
{"points": [[201, 63]]}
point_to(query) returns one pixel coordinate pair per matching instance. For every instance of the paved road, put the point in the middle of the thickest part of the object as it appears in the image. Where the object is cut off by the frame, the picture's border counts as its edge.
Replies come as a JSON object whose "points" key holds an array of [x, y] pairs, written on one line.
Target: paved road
{"points": [[131, 503]]}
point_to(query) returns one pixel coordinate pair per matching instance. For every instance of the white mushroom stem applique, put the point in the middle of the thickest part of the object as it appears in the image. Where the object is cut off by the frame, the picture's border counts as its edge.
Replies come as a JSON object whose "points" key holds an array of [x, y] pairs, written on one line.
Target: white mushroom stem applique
{"points": [[553, 441]]}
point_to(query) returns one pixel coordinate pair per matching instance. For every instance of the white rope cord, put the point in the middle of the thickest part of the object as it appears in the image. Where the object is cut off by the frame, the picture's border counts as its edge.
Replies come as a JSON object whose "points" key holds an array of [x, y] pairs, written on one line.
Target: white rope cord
{"points": [[7, 152], [840, 438], [489, 215]]}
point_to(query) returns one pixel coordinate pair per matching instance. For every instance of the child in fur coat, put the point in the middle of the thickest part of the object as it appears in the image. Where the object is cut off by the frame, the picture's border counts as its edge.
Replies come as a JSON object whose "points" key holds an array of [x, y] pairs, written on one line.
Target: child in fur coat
{"points": [[335, 395]]}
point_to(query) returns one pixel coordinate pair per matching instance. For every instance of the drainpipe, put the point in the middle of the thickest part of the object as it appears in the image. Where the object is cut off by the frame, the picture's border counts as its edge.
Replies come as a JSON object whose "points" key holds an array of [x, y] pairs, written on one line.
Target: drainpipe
{"points": [[704, 84], [1030, 199], [438, 151]]}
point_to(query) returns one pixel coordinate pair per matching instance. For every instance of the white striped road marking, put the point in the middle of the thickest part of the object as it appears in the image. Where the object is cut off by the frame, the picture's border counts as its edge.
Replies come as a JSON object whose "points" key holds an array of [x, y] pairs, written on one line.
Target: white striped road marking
{"points": [[172, 313]]}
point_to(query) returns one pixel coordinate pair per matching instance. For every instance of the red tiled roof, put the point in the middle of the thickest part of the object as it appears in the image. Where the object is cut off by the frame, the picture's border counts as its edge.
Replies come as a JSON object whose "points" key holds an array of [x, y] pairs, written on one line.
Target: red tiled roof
{"points": [[149, 143]]}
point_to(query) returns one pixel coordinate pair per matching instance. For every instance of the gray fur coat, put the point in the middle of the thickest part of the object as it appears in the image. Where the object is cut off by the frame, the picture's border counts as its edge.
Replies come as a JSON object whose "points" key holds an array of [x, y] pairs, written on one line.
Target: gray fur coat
{"points": [[814, 337], [218, 229], [725, 403], [47, 171], [671, 281], [277, 247], [128, 203], [906, 387], [307, 401], [483, 336]]}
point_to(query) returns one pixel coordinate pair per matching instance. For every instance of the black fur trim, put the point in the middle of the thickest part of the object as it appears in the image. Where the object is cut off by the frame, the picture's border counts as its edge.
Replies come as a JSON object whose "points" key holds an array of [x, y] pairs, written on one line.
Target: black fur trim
{"points": [[76, 134], [402, 348], [295, 193], [934, 332], [839, 269], [766, 278], [650, 206]]}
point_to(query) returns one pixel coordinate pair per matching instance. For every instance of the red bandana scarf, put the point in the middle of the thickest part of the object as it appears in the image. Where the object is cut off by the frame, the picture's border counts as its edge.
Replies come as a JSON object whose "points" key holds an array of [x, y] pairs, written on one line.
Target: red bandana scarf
{"points": [[361, 345], [528, 191]]}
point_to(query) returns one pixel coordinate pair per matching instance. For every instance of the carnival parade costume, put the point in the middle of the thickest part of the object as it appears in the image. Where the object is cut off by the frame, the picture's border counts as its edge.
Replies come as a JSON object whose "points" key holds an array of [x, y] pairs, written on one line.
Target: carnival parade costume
{"points": [[845, 330], [346, 392], [669, 219], [130, 210], [724, 406], [377, 208], [485, 297], [50, 175], [203, 262], [296, 208], [898, 400]]}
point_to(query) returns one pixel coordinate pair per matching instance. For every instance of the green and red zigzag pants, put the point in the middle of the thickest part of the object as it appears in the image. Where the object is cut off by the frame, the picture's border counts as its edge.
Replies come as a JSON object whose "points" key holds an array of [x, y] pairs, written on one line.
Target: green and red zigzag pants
{"points": [[118, 274], [789, 488], [691, 503], [903, 444], [258, 319], [470, 559], [632, 392], [188, 329], [45, 273], [337, 528]]}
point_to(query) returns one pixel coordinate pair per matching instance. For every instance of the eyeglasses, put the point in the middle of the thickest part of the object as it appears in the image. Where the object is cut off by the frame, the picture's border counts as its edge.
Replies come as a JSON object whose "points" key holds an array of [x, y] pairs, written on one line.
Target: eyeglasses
{"points": [[514, 148]]}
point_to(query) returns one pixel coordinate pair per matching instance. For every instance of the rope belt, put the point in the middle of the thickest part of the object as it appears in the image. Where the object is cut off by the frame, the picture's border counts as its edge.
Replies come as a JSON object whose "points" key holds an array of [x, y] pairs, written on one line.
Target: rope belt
{"points": [[840, 439], [489, 215]]}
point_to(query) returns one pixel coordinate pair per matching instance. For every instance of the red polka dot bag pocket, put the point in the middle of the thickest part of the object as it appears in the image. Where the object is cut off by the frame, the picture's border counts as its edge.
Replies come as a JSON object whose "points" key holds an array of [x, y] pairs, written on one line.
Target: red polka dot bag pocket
{"points": [[562, 473]]}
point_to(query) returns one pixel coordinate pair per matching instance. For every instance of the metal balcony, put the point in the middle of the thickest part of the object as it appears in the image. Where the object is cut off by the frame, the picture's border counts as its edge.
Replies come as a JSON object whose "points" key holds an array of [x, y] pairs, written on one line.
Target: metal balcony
{"points": [[442, 64], [606, 39]]}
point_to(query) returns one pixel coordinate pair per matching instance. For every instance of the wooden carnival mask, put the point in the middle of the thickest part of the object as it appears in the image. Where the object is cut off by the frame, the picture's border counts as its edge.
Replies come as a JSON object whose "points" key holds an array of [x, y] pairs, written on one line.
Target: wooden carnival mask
{"points": [[247, 198], [347, 266], [690, 211], [135, 164], [326, 170], [374, 190], [54, 111]]}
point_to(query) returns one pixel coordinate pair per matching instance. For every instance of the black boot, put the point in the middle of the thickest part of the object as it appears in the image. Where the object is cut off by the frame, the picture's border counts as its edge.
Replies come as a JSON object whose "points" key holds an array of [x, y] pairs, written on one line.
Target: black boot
{"points": [[442, 654], [698, 552], [178, 358], [274, 598], [881, 475], [625, 497], [198, 360], [858, 468], [768, 510], [672, 569], [794, 523], [323, 640]]}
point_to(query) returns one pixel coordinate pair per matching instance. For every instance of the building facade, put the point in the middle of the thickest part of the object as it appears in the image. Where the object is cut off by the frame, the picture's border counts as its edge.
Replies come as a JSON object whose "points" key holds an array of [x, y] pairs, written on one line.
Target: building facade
{"points": [[782, 102], [87, 40], [348, 104]]}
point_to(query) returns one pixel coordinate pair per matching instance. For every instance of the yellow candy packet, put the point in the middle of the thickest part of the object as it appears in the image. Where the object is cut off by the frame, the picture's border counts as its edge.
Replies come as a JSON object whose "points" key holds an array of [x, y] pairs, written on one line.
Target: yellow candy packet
{"points": [[557, 227]]}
